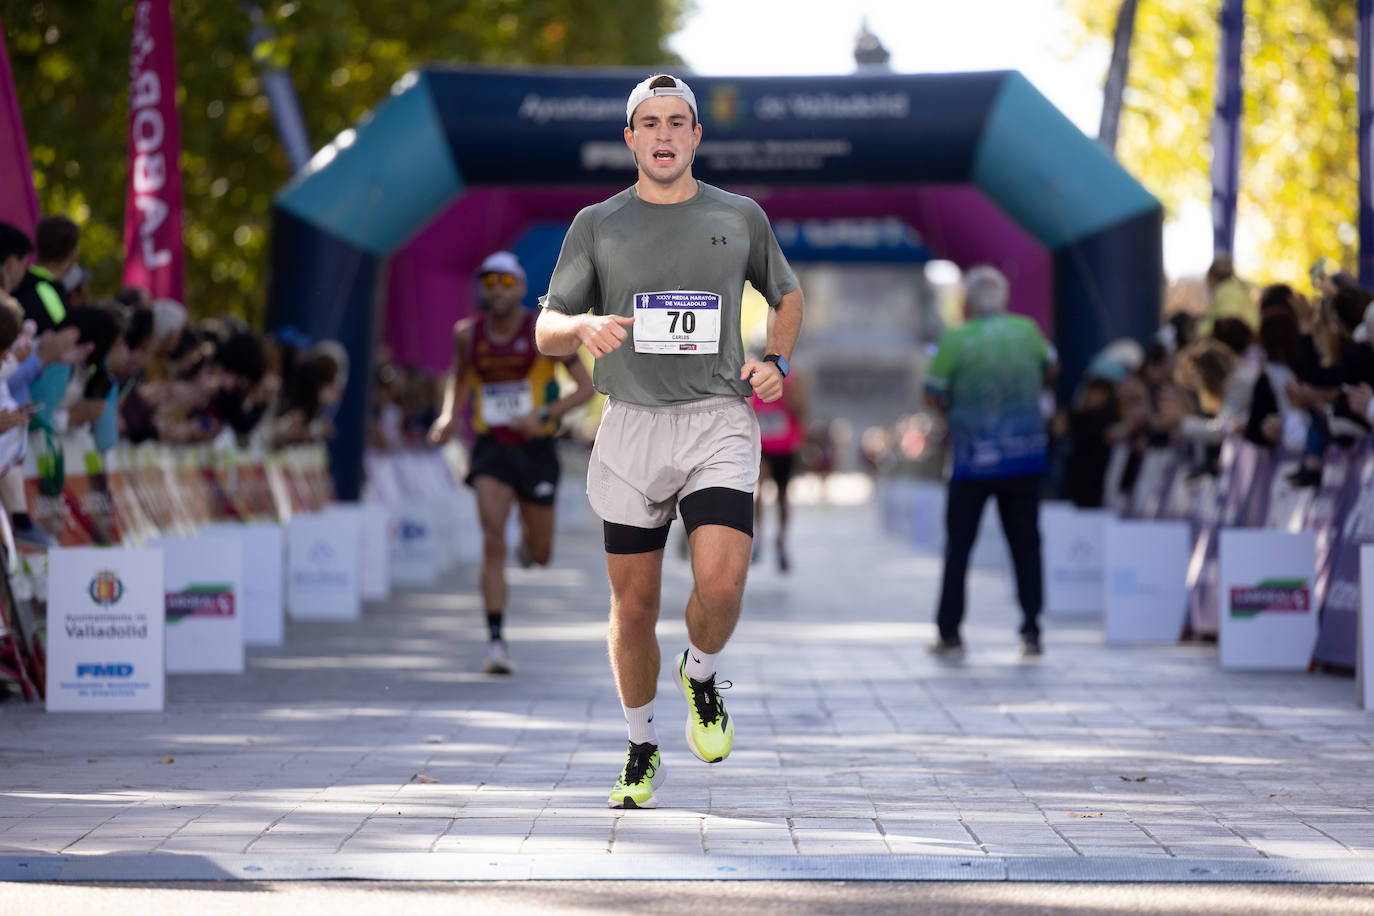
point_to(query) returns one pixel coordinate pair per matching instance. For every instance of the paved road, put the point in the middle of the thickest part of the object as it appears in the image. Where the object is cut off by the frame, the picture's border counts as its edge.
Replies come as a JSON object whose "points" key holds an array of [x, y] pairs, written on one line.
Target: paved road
{"points": [[765, 898], [378, 738]]}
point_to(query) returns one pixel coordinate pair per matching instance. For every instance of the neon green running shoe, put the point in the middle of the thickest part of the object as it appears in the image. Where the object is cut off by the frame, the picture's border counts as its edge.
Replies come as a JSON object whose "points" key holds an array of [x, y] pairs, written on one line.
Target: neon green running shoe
{"points": [[710, 730], [642, 774]]}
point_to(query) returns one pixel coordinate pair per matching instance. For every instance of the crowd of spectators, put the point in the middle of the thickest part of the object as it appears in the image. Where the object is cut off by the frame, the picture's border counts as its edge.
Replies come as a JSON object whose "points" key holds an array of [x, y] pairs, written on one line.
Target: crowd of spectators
{"points": [[405, 404], [123, 367], [1282, 368]]}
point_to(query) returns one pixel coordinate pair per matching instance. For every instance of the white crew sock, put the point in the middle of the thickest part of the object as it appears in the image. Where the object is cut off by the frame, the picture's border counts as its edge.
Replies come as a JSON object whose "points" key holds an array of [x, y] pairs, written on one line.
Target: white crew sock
{"points": [[640, 720], [700, 665]]}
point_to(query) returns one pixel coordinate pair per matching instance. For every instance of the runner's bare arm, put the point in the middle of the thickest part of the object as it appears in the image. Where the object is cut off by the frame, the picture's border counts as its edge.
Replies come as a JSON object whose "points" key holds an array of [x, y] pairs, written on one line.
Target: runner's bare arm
{"points": [[579, 395], [557, 334], [456, 389], [784, 326]]}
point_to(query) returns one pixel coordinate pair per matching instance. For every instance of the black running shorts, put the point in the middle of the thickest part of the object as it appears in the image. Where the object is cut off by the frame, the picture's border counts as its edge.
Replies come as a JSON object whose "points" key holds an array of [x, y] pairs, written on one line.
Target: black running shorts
{"points": [[530, 469]]}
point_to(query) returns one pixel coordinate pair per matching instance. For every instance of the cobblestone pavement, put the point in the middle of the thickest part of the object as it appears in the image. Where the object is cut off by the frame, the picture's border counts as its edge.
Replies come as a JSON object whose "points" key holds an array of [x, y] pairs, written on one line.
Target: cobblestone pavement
{"points": [[379, 737]]}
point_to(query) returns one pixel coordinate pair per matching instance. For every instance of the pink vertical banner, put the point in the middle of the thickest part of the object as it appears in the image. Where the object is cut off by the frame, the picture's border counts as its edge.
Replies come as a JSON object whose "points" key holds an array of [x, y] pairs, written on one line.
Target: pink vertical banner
{"points": [[154, 256], [18, 198]]}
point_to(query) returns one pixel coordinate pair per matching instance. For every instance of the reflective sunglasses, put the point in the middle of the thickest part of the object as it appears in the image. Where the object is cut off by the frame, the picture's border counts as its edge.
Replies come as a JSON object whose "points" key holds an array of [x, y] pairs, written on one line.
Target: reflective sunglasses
{"points": [[491, 280]]}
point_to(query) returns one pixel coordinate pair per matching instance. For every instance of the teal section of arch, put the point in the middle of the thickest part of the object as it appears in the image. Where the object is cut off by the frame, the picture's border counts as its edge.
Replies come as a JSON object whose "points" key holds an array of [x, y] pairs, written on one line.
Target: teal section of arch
{"points": [[1057, 183], [376, 184]]}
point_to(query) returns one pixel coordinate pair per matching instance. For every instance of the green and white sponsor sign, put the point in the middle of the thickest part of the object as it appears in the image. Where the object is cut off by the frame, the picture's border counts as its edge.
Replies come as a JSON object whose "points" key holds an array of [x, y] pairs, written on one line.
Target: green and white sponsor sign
{"points": [[1268, 617]]}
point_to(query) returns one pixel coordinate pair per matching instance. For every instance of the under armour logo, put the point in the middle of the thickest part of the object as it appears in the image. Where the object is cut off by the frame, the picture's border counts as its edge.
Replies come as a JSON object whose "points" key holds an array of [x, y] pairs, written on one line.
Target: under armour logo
{"points": [[717, 240]]}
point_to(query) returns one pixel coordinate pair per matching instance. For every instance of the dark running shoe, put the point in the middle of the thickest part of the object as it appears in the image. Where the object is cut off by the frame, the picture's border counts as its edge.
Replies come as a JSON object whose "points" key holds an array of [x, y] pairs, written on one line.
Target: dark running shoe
{"points": [[950, 651]]}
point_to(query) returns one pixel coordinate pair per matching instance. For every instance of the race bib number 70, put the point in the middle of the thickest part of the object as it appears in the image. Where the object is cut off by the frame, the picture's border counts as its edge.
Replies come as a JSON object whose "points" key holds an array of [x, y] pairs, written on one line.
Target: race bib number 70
{"points": [[678, 321]]}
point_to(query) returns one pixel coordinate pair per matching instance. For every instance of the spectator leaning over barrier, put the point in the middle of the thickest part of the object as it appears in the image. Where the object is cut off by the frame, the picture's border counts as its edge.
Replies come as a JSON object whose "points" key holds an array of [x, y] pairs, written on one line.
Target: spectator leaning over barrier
{"points": [[1220, 372], [1361, 394], [312, 386], [1271, 418], [185, 414], [40, 292], [14, 420], [1085, 471], [987, 376], [247, 390], [15, 248], [1205, 371], [1347, 364], [92, 396], [25, 360], [52, 347]]}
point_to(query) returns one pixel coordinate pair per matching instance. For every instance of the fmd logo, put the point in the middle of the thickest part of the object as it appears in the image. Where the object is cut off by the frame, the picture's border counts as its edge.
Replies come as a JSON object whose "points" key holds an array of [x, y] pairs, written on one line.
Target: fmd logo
{"points": [[106, 589], [413, 531], [121, 670]]}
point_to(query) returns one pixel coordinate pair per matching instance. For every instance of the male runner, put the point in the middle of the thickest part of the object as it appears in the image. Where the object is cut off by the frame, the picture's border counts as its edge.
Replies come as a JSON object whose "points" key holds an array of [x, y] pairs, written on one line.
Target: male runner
{"points": [[515, 412], [650, 281]]}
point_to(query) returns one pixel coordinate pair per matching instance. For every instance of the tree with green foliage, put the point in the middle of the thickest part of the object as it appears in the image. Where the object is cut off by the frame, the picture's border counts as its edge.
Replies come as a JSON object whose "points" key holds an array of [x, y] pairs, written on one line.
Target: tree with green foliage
{"points": [[71, 60], [1299, 179]]}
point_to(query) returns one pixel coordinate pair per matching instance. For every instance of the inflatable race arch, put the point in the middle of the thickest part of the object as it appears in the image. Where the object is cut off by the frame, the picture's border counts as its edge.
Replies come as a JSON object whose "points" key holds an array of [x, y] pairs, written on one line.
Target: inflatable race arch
{"points": [[378, 238]]}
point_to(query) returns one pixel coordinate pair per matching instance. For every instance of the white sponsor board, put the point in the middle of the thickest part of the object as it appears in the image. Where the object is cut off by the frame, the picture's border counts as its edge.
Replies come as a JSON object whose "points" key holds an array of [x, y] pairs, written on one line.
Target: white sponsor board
{"points": [[1268, 617], [105, 630], [414, 538], [203, 577], [1364, 663], [376, 561], [264, 579], [1074, 554], [1145, 575], [323, 556], [467, 548]]}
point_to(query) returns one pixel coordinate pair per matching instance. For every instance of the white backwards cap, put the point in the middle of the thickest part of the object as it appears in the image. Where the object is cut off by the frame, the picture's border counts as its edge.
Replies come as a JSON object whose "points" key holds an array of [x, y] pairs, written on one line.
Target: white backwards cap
{"points": [[679, 90], [502, 262]]}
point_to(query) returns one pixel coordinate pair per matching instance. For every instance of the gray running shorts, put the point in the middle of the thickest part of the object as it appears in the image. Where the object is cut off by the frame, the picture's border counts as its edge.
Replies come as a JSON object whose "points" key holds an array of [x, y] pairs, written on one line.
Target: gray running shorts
{"points": [[647, 458]]}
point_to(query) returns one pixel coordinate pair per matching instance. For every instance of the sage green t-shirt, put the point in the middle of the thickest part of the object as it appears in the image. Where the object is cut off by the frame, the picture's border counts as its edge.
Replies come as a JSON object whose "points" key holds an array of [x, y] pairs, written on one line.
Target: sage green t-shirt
{"points": [[678, 263]]}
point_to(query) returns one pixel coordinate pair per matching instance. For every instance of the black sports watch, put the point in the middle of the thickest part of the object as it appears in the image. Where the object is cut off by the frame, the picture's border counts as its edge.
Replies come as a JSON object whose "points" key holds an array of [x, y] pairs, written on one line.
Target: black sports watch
{"points": [[780, 361]]}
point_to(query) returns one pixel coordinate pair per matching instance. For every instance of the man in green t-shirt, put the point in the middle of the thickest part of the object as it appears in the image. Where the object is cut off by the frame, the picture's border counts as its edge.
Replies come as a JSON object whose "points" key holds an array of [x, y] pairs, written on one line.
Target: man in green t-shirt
{"points": [[987, 376], [650, 281]]}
